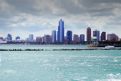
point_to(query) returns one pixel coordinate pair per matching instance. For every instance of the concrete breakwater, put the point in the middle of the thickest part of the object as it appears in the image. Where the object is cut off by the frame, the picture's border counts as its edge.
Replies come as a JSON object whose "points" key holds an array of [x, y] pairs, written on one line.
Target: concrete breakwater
{"points": [[58, 49]]}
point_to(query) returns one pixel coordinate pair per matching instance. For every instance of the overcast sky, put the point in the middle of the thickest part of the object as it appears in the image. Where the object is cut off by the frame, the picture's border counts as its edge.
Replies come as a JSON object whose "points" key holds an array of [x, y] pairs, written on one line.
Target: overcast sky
{"points": [[39, 17]]}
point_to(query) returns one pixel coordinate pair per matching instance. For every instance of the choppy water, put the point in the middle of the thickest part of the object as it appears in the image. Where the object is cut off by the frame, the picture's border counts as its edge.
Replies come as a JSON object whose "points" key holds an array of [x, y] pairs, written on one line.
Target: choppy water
{"points": [[84, 65]]}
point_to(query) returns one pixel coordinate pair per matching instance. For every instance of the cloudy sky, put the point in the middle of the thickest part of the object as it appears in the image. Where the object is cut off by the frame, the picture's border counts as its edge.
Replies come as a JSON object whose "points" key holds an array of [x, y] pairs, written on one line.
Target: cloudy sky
{"points": [[39, 17]]}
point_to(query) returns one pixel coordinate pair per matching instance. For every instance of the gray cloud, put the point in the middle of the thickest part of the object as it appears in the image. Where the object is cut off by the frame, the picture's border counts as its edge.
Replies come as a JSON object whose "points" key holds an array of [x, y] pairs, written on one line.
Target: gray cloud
{"points": [[60, 6], [97, 12]]}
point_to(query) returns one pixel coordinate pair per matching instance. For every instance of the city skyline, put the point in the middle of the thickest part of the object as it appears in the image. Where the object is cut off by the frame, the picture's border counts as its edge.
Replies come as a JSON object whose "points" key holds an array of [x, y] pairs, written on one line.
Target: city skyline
{"points": [[23, 17], [59, 35], [42, 33]]}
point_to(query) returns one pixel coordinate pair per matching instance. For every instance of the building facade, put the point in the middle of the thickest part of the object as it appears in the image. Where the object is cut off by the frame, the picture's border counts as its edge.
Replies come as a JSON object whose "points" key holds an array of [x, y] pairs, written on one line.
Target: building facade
{"points": [[88, 35], [96, 34], [103, 36], [82, 38], [39, 40], [9, 38], [60, 35], [69, 37], [47, 39], [30, 38], [76, 39], [112, 37], [54, 36]]}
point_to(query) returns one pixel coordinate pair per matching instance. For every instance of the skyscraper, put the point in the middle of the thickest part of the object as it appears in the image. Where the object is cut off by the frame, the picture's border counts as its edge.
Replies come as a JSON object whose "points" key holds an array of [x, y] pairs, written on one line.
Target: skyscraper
{"points": [[47, 39], [96, 34], [103, 36], [54, 36], [61, 31], [82, 38], [69, 37], [76, 39], [88, 35], [9, 37], [39, 40], [112, 37], [31, 38]]}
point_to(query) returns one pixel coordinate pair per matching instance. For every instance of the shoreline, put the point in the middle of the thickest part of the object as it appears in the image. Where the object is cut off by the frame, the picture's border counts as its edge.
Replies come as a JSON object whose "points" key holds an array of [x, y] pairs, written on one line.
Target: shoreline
{"points": [[98, 46], [58, 49]]}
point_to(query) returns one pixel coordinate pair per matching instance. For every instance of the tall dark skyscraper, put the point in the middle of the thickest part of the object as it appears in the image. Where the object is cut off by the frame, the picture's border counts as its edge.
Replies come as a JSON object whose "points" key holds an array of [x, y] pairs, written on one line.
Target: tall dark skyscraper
{"points": [[96, 34], [88, 35], [103, 36], [69, 37], [61, 31]]}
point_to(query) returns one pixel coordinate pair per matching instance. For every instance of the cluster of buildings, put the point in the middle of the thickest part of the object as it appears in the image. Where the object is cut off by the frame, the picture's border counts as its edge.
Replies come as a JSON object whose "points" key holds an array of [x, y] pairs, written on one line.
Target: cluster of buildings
{"points": [[59, 36]]}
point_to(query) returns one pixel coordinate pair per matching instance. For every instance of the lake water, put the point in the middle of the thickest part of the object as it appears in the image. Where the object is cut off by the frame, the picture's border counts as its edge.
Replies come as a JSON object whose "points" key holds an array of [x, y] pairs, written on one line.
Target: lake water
{"points": [[83, 65]]}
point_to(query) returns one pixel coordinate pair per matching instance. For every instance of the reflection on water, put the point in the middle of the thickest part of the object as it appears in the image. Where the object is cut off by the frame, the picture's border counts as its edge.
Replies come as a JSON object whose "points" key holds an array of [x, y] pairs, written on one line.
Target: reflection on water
{"points": [[85, 65]]}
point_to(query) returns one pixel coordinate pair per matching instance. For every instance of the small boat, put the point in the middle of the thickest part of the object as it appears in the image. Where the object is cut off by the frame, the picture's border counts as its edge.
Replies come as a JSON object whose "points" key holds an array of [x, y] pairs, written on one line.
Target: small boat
{"points": [[109, 47]]}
